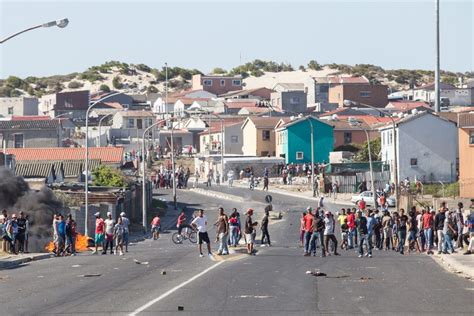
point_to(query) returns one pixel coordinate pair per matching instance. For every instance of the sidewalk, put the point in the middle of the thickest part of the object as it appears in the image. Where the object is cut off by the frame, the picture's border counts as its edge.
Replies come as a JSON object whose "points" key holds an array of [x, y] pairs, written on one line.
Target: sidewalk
{"points": [[9, 261], [457, 263]]}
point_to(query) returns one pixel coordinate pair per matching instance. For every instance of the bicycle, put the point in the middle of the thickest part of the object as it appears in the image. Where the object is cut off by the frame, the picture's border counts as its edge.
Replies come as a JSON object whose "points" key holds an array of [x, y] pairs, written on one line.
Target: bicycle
{"points": [[186, 234]]}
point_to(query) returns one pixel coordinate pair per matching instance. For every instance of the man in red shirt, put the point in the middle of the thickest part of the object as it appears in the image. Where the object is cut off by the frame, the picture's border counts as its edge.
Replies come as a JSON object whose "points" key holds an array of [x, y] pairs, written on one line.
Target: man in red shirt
{"points": [[352, 227], [362, 205], [99, 232], [308, 229], [428, 224]]}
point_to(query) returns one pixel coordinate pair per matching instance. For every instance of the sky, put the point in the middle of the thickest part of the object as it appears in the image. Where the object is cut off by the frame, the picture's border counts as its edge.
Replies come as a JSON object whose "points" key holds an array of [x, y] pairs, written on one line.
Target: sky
{"points": [[204, 35]]}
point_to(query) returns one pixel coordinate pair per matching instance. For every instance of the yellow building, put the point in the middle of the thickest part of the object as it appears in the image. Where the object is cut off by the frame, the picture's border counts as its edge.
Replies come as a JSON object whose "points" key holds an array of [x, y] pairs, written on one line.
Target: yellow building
{"points": [[259, 136]]}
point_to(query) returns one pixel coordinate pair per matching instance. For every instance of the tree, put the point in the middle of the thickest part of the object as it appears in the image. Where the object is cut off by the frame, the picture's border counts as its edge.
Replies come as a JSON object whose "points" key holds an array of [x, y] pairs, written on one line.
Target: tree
{"points": [[75, 85], [301, 67], [314, 65], [219, 71], [104, 88], [108, 177], [116, 83], [152, 89], [375, 148]]}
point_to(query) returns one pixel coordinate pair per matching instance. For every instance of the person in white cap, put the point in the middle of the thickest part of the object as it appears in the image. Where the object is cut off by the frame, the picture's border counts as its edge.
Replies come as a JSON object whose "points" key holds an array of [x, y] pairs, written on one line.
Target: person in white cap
{"points": [[99, 232], [109, 234], [125, 223]]}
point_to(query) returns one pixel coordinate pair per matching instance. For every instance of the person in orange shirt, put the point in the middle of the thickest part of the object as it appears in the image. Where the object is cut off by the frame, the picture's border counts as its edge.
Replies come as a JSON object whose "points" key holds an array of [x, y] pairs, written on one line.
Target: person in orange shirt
{"points": [[155, 227]]}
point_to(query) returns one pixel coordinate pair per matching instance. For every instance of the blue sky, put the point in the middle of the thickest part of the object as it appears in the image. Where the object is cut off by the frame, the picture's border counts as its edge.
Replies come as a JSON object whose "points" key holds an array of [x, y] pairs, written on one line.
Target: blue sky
{"points": [[204, 35]]}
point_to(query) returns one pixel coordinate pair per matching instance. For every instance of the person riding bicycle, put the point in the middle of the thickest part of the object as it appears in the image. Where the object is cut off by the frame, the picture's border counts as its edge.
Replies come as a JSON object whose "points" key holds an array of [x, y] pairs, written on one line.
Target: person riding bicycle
{"points": [[181, 223]]}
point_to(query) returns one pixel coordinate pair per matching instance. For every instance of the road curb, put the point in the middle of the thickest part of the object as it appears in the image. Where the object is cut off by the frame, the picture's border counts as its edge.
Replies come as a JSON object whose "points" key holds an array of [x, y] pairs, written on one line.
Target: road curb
{"points": [[452, 265], [217, 194], [16, 262]]}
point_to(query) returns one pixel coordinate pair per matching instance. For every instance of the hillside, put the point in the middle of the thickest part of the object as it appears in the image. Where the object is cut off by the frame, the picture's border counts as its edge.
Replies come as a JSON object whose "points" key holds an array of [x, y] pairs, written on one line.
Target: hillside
{"points": [[140, 78]]}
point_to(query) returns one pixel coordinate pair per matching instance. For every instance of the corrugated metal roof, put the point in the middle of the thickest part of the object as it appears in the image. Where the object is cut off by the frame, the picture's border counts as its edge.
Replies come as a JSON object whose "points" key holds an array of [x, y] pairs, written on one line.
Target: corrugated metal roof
{"points": [[29, 124], [34, 169], [43, 169], [104, 154]]}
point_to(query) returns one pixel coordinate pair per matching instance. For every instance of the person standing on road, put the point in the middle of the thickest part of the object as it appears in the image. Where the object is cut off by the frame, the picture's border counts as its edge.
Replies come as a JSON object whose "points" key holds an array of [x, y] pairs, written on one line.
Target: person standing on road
{"points": [[361, 224], [439, 226], [371, 225], [413, 231], [329, 225], [264, 227], [99, 232], [222, 232], [459, 220], [234, 229], [70, 235], [470, 224], [62, 235], [402, 230], [230, 178], [428, 223], [308, 231], [118, 236], [448, 231], [352, 228], [196, 178], [318, 233], [155, 227], [387, 224], [21, 221], [126, 229], [250, 231], [302, 229], [200, 224], [109, 234]]}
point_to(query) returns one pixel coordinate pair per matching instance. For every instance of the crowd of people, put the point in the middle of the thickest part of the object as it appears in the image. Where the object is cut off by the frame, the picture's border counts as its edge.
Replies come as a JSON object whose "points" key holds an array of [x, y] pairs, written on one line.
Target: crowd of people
{"points": [[14, 232], [419, 230], [163, 178], [111, 235]]}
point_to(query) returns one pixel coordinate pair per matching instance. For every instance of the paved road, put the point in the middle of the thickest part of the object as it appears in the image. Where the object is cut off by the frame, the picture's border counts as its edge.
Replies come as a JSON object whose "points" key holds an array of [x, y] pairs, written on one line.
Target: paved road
{"points": [[272, 283]]}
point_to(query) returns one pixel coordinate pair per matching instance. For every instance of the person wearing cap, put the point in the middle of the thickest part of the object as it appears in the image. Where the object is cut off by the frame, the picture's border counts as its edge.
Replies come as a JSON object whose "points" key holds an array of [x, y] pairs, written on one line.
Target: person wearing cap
{"points": [[250, 231], [329, 225], [109, 234], [99, 232], [126, 231]]}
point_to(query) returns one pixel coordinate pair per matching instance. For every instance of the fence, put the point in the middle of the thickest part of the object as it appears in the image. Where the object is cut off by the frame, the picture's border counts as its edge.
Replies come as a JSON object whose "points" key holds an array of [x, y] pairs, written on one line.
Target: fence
{"points": [[350, 183]]}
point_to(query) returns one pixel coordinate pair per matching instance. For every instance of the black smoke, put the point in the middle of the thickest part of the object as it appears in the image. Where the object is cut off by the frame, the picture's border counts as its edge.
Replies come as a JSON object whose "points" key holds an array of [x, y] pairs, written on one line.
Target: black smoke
{"points": [[16, 196]]}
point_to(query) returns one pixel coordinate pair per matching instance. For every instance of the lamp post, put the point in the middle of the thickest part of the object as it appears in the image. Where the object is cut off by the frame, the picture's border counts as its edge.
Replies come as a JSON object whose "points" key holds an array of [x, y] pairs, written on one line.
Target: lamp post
{"points": [[222, 141], [86, 167], [59, 23], [437, 95], [308, 118], [100, 123], [64, 114], [350, 103]]}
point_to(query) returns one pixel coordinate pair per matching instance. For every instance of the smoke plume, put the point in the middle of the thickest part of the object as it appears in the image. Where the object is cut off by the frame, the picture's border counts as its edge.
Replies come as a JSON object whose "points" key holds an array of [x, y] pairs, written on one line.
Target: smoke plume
{"points": [[16, 196]]}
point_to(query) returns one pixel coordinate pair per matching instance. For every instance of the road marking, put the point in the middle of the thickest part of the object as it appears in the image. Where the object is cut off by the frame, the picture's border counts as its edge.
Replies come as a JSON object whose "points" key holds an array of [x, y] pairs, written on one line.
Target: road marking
{"points": [[168, 293]]}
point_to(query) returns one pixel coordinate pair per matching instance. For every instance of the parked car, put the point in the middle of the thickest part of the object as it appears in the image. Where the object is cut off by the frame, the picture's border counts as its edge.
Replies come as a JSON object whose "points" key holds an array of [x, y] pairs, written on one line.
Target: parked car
{"points": [[367, 196]]}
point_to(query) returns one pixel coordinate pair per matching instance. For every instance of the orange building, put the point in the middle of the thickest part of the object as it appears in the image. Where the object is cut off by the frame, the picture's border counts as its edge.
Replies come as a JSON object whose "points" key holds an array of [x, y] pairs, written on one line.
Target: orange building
{"points": [[466, 154]]}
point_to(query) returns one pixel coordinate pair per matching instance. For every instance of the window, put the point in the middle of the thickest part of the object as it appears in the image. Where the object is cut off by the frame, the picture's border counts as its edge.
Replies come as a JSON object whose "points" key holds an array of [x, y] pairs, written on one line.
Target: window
{"points": [[234, 139], [10, 110], [18, 140], [208, 83], [413, 162], [236, 82], [294, 100], [68, 103], [266, 134], [299, 155], [365, 94], [150, 122], [347, 137], [222, 83], [130, 123], [471, 138]]}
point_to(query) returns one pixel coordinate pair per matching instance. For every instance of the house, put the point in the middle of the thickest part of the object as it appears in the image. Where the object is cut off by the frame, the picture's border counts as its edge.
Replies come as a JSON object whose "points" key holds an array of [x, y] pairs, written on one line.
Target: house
{"points": [[466, 154], [112, 156], [31, 133], [259, 136], [365, 93], [294, 101], [217, 84], [351, 131], [262, 94], [207, 106], [18, 106], [408, 106], [256, 110], [181, 138], [73, 103], [125, 100], [427, 147], [293, 140], [231, 134], [135, 120]]}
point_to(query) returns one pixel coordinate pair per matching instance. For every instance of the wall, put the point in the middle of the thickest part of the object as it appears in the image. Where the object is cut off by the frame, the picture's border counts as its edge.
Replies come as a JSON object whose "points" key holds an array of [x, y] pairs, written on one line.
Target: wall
{"points": [[265, 145], [299, 107], [378, 94], [249, 147], [34, 138], [216, 88], [434, 143], [466, 164], [233, 148], [358, 137], [21, 106]]}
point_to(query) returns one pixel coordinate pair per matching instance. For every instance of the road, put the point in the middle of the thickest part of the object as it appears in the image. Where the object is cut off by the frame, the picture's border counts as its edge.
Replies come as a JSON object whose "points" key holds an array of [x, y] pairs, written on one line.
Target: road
{"points": [[274, 282]]}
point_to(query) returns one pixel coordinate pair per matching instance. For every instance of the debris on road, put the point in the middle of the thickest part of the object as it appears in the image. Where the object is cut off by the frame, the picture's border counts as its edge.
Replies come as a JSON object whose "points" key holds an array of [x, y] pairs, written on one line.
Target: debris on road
{"points": [[163, 272], [140, 262], [181, 308], [91, 275], [75, 266]]}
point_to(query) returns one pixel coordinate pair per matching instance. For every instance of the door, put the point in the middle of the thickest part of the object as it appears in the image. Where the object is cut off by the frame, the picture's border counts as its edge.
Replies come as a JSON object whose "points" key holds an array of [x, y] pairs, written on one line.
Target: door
{"points": [[139, 123]]}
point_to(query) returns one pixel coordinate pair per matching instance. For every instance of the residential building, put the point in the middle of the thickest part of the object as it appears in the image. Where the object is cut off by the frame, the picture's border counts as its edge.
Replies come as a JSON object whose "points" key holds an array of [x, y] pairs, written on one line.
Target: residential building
{"points": [[181, 138], [216, 84], [427, 148], [351, 132], [229, 135], [123, 99], [293, 101], [408, 106], [30, 133], [466, 154], [18, 106], [293, 140], [261, 94], [371, 94], [127, 124], [72, 103], [259, 136]]}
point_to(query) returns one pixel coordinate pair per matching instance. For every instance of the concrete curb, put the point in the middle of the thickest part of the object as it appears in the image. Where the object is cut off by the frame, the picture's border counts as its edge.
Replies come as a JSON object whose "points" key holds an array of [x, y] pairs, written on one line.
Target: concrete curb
{"points": [[449, 263], [17, 261], [217, 194]]}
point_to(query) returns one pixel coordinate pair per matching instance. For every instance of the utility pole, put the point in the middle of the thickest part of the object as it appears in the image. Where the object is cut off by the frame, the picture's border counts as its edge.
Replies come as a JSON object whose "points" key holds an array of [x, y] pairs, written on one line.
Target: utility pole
{"points": [[437, 91]]}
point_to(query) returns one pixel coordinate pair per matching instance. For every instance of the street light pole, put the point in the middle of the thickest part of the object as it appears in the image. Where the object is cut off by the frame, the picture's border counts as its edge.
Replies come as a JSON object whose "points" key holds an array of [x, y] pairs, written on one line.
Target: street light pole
{"points": [[437, 96], [394, 132], [100, 134], [59, 23], [374, 192], [86, 167], [308, 118]]}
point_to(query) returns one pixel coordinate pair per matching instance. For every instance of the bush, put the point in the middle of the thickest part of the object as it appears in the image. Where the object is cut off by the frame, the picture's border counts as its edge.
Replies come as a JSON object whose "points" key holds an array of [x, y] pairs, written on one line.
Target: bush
{"points": [[152, 89], [314, 65], [436, 190], [116, 83], [108, 177], [143, 67], [14, 82], [104, 88], [75, 85], [218, 71]]}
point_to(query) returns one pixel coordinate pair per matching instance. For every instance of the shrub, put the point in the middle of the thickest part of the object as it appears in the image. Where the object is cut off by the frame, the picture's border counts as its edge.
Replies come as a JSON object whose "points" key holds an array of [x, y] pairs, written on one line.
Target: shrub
{"points": [[75, 85], [108, 176], [116, 83], [104, 88]]}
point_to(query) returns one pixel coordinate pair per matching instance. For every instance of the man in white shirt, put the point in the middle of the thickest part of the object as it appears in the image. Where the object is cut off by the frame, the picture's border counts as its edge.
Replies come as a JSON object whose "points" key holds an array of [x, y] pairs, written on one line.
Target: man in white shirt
{"points": [[329, 232], [199, 223], [109, 233]]}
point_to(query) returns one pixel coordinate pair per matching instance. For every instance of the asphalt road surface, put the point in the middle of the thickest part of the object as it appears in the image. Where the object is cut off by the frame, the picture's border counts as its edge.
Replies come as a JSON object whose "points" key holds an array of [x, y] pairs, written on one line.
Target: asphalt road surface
{"points": [[174, 280]]}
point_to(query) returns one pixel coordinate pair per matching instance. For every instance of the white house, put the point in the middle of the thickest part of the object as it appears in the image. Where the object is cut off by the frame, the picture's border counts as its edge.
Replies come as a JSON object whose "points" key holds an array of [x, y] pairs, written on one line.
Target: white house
{"points": [[427, 147], [231, 134], [131, 124]]}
